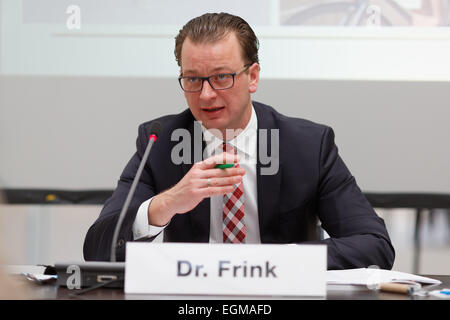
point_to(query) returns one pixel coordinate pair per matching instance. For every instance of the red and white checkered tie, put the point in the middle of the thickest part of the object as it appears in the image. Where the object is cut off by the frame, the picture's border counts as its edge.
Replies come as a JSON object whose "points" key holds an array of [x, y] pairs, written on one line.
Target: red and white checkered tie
{"points": [[233, 210]]}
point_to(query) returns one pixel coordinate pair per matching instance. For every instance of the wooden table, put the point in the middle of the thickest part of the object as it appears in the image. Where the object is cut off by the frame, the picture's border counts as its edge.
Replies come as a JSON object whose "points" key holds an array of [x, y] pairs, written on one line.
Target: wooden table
{"points": [[53, 292]]}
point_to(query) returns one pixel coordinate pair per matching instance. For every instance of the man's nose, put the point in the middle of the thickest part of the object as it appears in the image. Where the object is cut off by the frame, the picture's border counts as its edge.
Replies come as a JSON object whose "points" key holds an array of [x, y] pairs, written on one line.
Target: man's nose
{"points": [[207, 91]]}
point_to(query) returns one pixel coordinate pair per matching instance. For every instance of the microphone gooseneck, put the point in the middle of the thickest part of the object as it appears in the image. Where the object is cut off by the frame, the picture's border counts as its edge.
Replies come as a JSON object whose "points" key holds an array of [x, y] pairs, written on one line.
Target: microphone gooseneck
{"points": [[155, 130]]}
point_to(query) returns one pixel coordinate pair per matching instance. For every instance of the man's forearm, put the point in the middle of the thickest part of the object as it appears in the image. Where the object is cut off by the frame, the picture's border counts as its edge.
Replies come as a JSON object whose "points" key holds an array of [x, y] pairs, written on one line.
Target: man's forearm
{"points": [[159, 211], [359, 251]]}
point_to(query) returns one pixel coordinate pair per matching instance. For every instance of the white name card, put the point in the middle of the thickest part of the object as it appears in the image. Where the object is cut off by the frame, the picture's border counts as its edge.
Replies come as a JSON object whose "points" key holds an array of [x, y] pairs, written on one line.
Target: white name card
{"points": [[225, 269]]}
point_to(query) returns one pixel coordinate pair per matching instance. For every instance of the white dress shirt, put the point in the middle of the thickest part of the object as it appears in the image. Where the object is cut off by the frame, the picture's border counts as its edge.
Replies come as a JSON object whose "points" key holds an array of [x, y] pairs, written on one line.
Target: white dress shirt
{"points": [[246, 146]]}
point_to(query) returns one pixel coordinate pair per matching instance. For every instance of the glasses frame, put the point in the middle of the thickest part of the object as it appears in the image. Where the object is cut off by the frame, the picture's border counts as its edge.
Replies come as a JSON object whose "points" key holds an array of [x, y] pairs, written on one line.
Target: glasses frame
{"points": [[203, 79]]}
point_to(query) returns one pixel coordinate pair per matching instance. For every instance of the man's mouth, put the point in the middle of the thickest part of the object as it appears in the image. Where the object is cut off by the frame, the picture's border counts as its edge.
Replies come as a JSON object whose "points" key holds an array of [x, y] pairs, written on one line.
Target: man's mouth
{"points": [[212, 109]]}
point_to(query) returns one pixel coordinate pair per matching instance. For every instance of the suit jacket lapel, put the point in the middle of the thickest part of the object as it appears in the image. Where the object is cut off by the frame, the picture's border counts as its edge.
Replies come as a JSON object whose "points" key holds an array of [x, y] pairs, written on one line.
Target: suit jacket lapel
{"points": [[268, 186]]}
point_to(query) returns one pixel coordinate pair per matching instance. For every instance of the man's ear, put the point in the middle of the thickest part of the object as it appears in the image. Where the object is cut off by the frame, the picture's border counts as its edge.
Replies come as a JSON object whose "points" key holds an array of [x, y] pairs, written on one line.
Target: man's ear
{"points": [[254, 78]]}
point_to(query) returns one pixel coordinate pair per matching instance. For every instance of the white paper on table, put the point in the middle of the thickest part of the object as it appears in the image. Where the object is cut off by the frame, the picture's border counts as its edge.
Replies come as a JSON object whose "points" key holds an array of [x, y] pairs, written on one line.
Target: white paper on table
{"points": [[366, 276]]}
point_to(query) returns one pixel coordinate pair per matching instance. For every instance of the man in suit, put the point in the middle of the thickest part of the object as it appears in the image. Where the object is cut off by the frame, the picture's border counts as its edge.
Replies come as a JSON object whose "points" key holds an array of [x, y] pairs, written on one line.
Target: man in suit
{"points": [[255, 201]]}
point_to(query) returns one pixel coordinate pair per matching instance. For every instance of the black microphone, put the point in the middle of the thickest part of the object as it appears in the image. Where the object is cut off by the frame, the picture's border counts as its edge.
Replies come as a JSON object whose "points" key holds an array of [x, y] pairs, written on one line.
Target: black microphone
{"points": [[155, 131]]}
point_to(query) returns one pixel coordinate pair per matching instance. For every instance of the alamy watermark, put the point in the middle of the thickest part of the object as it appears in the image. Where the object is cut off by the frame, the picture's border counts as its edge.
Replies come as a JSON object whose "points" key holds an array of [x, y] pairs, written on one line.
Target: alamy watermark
{"points": [[74, 280], [182, 152], [373, 281], [374, 16], [74, 19]]}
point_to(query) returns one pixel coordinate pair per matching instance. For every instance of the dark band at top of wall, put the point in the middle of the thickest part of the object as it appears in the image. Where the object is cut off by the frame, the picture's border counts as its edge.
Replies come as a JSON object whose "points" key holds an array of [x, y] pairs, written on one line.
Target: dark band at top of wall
{"points": [[98, 197]]}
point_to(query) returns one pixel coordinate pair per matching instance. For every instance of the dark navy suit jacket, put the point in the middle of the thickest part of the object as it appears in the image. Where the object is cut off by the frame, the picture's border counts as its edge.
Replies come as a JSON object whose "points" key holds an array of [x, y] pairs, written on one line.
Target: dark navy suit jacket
{"points": [[312, 183]]}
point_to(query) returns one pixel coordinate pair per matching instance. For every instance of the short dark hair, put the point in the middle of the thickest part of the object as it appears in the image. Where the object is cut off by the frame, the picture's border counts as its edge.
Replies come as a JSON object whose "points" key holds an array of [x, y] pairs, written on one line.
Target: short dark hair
{"points": [[212, 27]]}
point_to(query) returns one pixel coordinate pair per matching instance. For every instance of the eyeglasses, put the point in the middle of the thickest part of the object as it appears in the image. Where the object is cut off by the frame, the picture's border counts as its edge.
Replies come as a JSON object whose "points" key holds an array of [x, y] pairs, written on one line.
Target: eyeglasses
{"points": [[219, 81]]}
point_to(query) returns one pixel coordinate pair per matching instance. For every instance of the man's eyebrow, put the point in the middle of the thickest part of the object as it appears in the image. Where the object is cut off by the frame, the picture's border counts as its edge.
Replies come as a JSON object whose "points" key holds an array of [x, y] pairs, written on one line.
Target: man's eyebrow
{"points": [[222, 68], [184, 72], [213, 71]]}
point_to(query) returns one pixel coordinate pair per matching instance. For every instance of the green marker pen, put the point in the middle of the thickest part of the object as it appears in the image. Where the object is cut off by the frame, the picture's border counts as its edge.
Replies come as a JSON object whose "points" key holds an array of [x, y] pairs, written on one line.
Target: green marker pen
{"points": [[224, 166]]}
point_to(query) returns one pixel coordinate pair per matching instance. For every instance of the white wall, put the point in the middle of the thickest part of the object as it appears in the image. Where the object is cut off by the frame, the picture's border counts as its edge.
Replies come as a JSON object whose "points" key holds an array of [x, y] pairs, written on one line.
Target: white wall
{"points": [[136, 39], [71, 100], [45, 234], [79, 132], [34, 234]]}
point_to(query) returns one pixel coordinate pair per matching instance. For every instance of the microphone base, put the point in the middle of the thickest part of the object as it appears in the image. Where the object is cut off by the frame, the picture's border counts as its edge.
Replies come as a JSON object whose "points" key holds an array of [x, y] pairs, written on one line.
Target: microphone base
{"points": [[87, 274]]}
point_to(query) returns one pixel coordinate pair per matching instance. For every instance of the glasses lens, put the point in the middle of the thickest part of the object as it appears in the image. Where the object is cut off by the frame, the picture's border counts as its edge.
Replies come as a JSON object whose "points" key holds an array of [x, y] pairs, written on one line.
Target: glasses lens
{"points": [[219, 81], [222, 81], [191, 83]]}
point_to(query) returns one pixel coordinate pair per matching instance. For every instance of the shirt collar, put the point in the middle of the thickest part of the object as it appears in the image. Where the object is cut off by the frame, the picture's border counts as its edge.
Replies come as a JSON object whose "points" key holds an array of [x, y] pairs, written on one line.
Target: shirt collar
{"points": [[243, 142]]}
